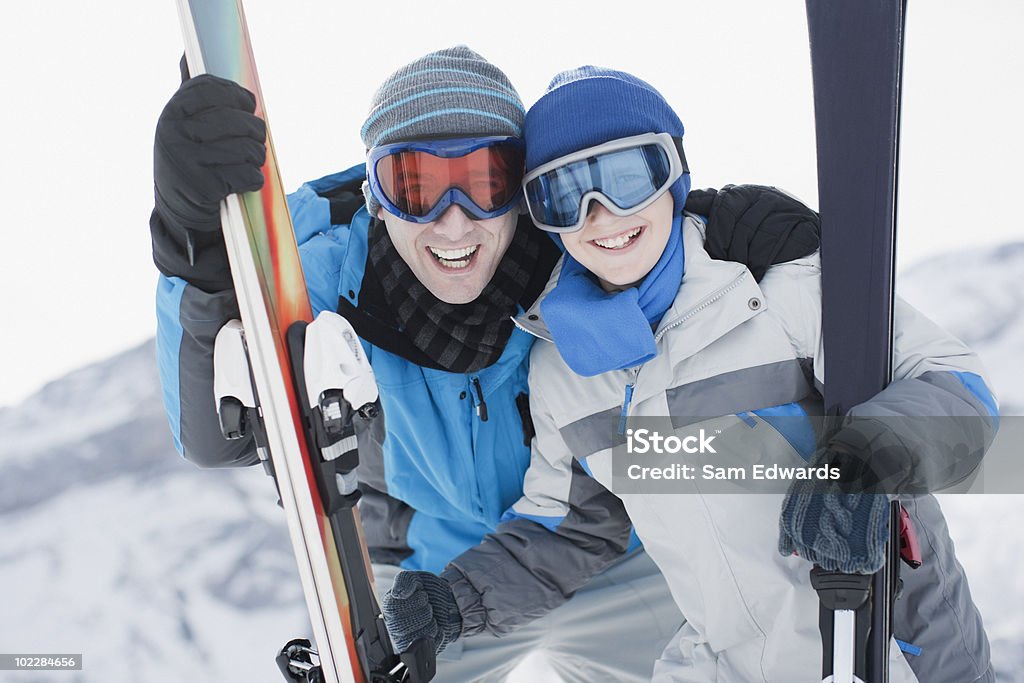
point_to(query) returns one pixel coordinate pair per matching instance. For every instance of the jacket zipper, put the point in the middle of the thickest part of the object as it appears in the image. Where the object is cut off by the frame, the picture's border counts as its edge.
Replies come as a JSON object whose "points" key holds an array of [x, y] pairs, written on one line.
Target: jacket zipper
{"points": [[533, 333], [715, 297], [481, 406], [626, 400], [631, 387]]}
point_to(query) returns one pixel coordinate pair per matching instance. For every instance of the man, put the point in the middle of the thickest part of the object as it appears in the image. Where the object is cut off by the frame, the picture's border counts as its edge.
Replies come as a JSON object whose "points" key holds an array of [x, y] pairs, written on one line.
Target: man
{"points": [[430, 287]]}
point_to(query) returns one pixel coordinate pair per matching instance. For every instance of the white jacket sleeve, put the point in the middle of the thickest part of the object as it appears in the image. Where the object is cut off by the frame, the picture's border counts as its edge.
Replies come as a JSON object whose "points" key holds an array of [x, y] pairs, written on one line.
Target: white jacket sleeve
{"points": [[938, 409]]}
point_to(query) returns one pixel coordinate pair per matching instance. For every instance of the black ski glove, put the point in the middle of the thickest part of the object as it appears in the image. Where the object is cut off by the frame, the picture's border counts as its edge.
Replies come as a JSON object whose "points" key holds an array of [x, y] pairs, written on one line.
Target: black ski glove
{"points": [[421, 605], [755, 225], [208, 145]]}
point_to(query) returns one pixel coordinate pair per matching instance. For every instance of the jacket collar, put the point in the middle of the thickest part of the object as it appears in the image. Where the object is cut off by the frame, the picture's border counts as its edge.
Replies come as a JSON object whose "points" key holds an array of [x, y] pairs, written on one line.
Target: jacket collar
{"points": [[714, 297]]}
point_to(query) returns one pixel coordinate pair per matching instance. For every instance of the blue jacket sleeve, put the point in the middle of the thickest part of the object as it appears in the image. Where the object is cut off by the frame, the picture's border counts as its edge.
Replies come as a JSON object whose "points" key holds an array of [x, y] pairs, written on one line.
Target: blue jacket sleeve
{"points": [[190, 313], [188, 319]]}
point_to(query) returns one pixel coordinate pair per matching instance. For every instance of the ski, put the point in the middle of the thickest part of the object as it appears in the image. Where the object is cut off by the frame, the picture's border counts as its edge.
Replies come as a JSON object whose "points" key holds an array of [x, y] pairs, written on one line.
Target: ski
{"points": [[309, 469], [856, 63]]}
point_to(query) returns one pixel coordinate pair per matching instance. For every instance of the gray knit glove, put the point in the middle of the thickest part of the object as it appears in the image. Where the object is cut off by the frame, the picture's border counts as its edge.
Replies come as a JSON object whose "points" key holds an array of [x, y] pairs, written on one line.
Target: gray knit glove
{"points": [[844, 525], [421, 605], [844, 532]]}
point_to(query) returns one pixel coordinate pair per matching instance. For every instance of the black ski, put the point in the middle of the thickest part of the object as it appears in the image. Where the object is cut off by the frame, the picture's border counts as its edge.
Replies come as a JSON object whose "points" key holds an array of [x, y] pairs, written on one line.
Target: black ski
{"points": [[856, 61]]}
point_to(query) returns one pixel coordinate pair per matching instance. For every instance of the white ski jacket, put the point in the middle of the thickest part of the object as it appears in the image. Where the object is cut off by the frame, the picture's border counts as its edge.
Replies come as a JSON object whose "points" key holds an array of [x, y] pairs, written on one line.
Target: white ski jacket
{"points": [[729, 346]]}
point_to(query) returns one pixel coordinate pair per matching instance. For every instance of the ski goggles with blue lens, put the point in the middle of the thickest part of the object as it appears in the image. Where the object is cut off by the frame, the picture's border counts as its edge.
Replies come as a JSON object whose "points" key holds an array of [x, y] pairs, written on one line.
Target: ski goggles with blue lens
{"points": [[624, 175], [418, 181]]}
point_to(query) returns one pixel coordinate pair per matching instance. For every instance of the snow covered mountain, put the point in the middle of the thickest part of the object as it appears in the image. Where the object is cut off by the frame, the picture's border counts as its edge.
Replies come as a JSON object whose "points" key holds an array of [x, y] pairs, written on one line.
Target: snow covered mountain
{"points": [[115, 548], [155, 571]]}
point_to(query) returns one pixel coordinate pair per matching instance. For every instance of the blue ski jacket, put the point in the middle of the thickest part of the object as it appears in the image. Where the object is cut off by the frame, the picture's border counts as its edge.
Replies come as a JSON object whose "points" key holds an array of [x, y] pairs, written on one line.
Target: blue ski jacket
{"points": [[457, 444]]}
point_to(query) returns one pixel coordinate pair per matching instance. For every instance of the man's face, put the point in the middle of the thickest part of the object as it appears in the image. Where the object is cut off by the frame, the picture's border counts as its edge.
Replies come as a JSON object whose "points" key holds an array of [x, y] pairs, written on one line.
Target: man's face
{"points": [[622, 250], [455, 256]]}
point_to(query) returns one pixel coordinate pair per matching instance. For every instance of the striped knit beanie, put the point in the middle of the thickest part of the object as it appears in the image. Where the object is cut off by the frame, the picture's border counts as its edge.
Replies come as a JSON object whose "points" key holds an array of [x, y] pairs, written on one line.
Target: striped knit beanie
{"points": [[451, 93]]}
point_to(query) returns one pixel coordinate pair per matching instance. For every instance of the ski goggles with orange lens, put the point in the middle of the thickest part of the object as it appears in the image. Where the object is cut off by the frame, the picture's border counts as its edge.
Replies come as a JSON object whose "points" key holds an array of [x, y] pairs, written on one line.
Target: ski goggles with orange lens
{"points": [[418, 181], [625, 175]]}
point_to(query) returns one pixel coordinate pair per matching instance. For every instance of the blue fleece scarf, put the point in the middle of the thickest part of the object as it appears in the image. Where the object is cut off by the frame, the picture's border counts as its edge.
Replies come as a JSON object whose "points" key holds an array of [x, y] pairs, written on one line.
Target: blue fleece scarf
{"points": [[597, 331]]}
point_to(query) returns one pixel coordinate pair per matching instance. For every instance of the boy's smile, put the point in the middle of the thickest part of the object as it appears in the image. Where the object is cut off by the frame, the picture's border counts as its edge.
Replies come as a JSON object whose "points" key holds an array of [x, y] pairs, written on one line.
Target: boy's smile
{"points": [[621, 250], [620, 242]]}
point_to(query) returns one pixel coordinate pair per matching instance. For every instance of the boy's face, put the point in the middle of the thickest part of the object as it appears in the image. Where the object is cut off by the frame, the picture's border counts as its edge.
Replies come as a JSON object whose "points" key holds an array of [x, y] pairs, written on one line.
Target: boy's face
{"points": [[621, 250], [455, 256]]}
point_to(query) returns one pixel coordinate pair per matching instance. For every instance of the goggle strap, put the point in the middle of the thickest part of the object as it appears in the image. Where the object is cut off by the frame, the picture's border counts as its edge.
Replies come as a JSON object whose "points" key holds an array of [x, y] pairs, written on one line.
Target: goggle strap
{"points": [[682, 155]]}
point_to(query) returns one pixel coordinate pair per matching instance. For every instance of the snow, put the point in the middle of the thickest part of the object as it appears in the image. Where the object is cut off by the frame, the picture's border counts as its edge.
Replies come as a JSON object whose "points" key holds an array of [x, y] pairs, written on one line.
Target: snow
{"points": [[114, 547], [84, 402], [979, 297], [172, 579], [990, 543]]}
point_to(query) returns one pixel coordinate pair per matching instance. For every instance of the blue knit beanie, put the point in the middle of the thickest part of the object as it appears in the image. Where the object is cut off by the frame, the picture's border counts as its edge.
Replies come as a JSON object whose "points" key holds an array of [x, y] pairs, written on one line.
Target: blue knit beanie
{"points": [[591, 105]]}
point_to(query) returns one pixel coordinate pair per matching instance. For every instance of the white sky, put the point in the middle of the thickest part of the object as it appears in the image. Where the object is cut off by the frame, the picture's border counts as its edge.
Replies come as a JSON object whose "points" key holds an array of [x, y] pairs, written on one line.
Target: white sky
{"points": [[83, 84]]}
